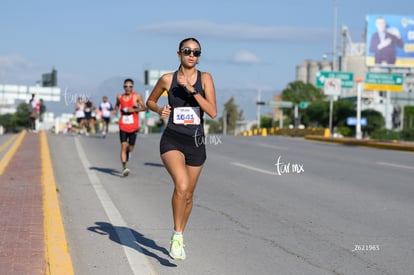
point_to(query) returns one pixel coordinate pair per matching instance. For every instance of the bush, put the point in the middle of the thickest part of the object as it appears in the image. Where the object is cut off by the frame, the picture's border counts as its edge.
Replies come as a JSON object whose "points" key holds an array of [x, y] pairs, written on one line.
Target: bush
{"points": [[345, 131], [407, 134], [385, 134], [8, 121]]}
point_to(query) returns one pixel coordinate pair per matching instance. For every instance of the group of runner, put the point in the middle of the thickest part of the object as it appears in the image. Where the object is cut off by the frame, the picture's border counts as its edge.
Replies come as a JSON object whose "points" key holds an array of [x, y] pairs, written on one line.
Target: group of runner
{"points": [[88, 116]]}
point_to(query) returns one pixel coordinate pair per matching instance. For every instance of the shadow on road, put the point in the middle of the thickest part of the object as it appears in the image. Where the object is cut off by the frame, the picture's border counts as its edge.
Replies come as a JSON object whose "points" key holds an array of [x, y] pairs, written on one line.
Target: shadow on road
{"points": [[153, 164], [109, 171], [139, 241]]}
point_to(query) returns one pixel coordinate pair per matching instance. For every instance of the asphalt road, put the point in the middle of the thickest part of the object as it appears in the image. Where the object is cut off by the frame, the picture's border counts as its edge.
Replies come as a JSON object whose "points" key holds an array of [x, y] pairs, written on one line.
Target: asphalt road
{"points": [[264, 205]]}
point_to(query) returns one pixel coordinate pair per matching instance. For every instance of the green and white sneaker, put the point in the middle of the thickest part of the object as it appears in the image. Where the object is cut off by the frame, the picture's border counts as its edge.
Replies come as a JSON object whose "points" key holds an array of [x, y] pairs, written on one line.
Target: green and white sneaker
{"points": [[177, 247], [125, 172]]}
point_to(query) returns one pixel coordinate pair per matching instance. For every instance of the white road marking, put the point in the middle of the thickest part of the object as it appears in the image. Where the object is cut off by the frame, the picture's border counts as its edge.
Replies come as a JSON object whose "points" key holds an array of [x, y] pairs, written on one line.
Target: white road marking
{"points": [[395, 165], [254, 168], [273, 146], [138, 262]]}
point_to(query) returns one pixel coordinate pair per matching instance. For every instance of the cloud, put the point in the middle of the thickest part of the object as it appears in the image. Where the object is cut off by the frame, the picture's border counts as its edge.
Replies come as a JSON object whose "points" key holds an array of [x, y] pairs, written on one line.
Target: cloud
{"points": [[13, 62], [245, 57], [15, 69], [238, 32]]}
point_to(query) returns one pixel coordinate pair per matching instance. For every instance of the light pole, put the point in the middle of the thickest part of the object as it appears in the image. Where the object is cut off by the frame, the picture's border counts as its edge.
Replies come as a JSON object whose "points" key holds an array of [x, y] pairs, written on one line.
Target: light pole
{"points": [[224, 121], [360, 82], [331, 97], [334, 36], [258, 108]]}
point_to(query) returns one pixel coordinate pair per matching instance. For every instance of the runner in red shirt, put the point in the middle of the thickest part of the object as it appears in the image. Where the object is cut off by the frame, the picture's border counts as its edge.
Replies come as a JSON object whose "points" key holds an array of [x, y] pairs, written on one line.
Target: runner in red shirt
{"points": [[130, 104]]}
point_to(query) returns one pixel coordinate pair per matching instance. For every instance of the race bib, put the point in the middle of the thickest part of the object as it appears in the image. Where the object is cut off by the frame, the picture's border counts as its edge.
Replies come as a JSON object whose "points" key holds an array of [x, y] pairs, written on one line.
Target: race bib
{"points": [[127, 119], [187, 115]]}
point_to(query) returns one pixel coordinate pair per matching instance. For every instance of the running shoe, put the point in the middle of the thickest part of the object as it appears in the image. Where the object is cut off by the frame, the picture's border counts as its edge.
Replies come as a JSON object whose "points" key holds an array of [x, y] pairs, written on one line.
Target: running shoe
{"points": [[125, 172], [177, 247]]}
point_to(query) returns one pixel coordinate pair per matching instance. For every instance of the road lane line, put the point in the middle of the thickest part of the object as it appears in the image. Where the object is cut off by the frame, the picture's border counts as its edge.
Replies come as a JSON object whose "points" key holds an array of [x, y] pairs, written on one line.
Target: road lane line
{"points": [[395, 165], [10, 153], [57, 254], [8, 141], [138, 262], [254, 168], [273, 146]]}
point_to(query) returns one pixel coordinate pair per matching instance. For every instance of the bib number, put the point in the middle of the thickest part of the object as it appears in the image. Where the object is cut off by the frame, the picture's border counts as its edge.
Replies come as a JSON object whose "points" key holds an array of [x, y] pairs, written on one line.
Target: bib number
{"points": [[127, 119], [187, 115]]}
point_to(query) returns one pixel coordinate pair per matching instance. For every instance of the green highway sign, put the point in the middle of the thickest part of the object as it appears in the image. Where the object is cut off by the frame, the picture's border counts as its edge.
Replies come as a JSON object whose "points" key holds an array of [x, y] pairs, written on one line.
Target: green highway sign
{"points": [[384, 82], [347, 79], [280, 104]]}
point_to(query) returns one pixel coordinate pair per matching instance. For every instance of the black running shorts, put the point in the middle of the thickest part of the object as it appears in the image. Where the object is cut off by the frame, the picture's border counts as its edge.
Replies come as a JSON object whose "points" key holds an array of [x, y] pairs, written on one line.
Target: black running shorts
{"points": [[128, 137], [193, 148]]}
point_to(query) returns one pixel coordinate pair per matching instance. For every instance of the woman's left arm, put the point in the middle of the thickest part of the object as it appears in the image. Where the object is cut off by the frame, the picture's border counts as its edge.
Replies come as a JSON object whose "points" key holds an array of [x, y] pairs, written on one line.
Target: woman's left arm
{"points": [[207, 103]]}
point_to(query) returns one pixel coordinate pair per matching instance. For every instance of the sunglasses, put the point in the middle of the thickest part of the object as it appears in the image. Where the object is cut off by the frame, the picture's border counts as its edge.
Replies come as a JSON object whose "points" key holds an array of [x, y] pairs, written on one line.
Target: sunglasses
{"points": [[188, 51], [128, 86]]}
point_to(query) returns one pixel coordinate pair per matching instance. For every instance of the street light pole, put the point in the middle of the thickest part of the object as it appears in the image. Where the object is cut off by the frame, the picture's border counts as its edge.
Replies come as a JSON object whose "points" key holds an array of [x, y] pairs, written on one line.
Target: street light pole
{"points": [[224, 121], [334, 36], [358, 134], [331, 97], [258, 109]]}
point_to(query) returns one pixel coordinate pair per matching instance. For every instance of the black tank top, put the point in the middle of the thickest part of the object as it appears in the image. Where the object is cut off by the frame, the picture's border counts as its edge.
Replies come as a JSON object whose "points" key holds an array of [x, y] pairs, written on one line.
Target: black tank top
{"points": [[179, 97]]}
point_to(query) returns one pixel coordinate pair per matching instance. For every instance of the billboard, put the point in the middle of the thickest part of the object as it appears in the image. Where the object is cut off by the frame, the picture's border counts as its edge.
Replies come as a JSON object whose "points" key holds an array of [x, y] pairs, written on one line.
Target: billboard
{"points": [[390, 40]]}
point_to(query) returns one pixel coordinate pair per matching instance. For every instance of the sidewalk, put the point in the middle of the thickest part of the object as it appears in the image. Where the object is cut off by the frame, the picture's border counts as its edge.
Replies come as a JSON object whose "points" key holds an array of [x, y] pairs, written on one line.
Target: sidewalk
{"points": [[32, 239], [21, 214]]}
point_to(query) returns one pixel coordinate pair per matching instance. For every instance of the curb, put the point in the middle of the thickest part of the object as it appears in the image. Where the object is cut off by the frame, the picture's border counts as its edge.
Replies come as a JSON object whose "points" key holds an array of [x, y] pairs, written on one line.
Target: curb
{"points": [[367, 143], [58, 259]]}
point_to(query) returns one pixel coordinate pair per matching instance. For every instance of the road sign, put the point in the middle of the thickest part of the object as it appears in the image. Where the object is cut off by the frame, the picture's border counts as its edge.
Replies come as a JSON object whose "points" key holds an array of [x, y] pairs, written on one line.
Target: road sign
{"points": [[383, 82], [332, 86], [280, 104], [304, 104], [351, 121], [347, 79]]}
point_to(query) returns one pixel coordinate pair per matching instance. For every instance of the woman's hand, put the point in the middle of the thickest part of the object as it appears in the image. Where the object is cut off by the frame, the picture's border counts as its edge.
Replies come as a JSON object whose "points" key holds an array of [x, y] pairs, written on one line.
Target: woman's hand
{"points": [[165, 111]]}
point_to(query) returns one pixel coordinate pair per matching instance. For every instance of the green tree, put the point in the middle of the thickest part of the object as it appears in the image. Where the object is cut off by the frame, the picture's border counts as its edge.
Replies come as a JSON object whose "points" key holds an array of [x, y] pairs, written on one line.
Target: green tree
{"points": [[8, 122], [375, 121], [232, 115], [342, 109], [317, 114], [408, 122], [16, 121], [214, 126], [266, 122], [22, 115], [299, 91]]}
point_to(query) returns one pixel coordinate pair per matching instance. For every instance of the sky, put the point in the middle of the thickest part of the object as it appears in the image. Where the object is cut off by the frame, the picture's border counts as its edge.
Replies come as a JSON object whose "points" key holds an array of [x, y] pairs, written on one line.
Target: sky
{"points": [[249, 47]]}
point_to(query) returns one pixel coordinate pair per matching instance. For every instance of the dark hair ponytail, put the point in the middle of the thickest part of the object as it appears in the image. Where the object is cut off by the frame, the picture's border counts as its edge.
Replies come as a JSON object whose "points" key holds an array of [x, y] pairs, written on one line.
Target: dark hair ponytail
{"points": [[188, 39]]}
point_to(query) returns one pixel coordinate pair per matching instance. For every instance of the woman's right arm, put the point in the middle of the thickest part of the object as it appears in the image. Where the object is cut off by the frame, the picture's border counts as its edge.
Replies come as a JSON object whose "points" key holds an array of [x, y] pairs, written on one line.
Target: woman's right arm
{"points": [[162, 84]]}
